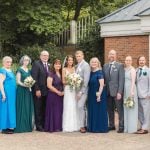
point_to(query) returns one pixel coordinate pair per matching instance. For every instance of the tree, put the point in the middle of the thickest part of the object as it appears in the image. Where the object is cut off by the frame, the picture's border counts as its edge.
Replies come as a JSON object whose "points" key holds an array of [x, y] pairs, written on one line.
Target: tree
{"points": [[26, 22]]}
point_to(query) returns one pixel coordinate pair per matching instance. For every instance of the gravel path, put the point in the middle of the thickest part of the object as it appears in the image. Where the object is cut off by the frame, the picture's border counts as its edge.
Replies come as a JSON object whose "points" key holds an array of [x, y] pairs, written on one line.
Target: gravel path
{"points": [[74, 141]]}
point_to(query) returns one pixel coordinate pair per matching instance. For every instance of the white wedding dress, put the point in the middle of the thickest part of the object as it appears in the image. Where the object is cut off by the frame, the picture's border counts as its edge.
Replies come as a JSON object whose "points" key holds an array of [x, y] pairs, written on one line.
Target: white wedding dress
{"points": [[70, 111]]}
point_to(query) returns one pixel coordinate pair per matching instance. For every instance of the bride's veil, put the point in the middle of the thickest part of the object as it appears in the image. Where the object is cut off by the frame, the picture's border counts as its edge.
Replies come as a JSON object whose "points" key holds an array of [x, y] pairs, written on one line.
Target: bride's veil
{"points": [[64, 62]]}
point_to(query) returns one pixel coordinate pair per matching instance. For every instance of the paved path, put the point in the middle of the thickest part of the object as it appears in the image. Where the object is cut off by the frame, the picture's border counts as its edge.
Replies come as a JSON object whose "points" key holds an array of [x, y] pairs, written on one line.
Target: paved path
{"points": [[74, 141]]}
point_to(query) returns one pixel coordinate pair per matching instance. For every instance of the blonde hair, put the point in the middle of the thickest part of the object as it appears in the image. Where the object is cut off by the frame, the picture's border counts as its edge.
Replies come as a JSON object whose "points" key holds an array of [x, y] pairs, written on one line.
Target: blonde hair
{"points": [[97, 60], [6, 58], [128, 57]]}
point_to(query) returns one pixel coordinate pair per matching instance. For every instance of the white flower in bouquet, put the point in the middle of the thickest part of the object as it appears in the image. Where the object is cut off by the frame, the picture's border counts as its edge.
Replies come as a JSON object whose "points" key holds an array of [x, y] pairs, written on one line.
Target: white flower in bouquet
{"points": [[73, 80], [29, 82], [129, 102]]}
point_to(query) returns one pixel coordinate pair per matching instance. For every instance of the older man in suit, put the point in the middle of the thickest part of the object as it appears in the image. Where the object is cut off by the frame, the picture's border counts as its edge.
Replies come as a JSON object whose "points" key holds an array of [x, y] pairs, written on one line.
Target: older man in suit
{"points": [[114, 76], [143, 91], [39, 72]]}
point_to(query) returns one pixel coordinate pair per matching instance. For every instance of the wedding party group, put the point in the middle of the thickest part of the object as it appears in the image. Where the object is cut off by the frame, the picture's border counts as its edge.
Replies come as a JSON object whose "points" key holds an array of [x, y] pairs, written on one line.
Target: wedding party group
{"points": [[74, 95]]}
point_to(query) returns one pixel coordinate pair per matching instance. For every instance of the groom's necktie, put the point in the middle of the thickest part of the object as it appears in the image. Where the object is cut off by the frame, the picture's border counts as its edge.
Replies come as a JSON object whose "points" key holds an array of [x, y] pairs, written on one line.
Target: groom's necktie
{"points": [[140, 72]]}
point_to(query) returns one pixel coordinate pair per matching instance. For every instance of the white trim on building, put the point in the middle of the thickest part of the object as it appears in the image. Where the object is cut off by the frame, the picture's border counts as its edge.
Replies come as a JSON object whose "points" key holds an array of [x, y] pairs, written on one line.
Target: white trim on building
{"points": [[149, 50], [126, 28], [145, 23]]}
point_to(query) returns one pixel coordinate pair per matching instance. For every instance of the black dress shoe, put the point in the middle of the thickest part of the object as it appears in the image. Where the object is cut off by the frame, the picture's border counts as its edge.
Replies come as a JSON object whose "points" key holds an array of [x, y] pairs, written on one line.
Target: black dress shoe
{"points": [[111, 128], [120, 131], [40, 129], [142, 131], [8, 131]]}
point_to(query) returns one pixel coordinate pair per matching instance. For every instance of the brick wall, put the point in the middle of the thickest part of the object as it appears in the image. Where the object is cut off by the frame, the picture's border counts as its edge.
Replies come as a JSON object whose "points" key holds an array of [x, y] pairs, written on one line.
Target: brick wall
{"points": [[128, 45]]}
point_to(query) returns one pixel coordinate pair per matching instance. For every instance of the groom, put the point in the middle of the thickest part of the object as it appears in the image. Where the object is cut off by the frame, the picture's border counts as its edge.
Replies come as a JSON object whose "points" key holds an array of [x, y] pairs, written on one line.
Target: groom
{"points": [[83, 69]]}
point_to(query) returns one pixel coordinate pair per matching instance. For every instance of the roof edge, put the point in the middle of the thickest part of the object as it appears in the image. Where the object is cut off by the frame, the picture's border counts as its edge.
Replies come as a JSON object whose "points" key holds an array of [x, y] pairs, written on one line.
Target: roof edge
{"points": [[140, 13], [101, 19]]}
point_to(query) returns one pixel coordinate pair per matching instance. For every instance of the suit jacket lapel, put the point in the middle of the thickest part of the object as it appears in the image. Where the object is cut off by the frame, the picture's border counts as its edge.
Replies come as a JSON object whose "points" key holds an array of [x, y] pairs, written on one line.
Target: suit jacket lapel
{"points": [[79, 66]]}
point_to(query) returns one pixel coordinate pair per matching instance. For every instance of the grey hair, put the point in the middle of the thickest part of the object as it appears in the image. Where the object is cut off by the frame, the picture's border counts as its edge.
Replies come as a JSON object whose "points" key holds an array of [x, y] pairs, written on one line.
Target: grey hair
{"points": [[44, 52], [22, 59]]}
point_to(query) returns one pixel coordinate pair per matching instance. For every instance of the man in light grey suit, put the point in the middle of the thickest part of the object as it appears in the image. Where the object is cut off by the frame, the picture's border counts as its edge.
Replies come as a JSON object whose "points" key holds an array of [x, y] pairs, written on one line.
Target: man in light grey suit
{"points": [[83, 69], [143, 91], [114, 76]]}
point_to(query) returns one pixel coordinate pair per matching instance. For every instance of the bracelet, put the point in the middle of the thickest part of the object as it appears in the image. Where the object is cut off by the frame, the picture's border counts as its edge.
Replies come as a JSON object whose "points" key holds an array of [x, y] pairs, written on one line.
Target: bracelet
{"points": [[80, 92]]}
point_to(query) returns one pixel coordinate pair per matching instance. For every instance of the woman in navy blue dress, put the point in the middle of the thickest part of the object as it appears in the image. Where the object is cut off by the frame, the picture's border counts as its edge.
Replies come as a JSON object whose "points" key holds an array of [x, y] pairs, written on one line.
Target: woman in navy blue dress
{"points": [[97, 108]]}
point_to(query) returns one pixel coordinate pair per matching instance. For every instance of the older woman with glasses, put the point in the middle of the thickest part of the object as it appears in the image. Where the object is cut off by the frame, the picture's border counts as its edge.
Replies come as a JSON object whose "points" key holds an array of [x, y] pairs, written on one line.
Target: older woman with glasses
{"points": [[7, 97], [24, 100]]}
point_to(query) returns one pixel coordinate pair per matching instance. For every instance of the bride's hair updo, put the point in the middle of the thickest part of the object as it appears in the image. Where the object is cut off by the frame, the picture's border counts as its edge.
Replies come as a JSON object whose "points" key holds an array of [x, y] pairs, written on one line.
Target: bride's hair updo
{"points": [[66, 60]]}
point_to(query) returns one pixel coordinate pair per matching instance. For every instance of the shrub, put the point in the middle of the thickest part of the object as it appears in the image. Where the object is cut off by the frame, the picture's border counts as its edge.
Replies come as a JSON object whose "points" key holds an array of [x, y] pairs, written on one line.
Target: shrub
{"points": [[93, 45], [34, 52]]}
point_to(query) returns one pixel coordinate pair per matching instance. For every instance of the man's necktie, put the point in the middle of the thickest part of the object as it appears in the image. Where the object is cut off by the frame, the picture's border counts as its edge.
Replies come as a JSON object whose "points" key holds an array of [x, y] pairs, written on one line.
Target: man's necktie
{"points": [[45, 66], [140, 73], [110, 65]]}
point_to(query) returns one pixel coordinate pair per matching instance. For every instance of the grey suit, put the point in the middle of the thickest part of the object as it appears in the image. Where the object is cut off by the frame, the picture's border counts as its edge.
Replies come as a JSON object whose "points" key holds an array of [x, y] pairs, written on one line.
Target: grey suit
{"points": [[143, 91], [83, 70], [114, 81]]}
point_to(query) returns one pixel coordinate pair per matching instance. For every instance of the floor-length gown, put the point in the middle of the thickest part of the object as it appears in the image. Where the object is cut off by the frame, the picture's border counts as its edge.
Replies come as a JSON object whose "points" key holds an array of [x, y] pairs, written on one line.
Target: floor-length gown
{"points": [[24, 106], [97, 111], [130, 114], [8, 107], [70, 110], [54, 106]]}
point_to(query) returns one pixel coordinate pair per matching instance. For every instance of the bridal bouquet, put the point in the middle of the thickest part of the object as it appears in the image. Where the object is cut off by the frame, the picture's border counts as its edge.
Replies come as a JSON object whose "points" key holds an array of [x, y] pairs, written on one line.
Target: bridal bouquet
{"points": [[73, 80], [29, 82], [129, 102]]}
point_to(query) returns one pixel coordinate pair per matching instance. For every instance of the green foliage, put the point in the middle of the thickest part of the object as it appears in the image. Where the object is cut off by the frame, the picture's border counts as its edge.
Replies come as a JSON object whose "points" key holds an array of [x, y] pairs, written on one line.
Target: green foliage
{"points": [[40, 19], [34, 52], [23, 23], [93, 44]]}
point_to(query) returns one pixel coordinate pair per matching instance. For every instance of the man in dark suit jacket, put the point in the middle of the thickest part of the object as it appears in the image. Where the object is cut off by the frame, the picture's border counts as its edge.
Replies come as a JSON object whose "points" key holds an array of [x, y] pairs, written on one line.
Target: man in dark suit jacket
{"points": [[114, 78], [39, 73]]}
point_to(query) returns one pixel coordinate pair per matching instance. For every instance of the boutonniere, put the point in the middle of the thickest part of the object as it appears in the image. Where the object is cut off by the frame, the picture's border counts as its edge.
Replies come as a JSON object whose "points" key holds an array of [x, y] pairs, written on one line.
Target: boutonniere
{"points": [[113, 66], [79, 69], [144, 73]]}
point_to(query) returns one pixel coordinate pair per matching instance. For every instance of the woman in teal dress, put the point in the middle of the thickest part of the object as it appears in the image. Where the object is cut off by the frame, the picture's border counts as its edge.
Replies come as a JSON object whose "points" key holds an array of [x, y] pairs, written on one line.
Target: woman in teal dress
{"points": [[7, 97], [97, 108], [24, 100]]}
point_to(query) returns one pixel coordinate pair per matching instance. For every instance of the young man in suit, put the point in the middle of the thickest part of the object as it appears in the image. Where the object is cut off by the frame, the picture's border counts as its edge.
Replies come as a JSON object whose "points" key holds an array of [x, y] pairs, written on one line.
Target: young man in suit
{"points": [[143, 91], [39, 73], [83, 69], [114, 76]]}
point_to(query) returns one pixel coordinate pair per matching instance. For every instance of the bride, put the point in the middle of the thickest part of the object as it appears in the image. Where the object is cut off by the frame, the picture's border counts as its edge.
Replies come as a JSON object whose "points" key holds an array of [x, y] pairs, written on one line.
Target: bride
{"points": [[70, 114]]}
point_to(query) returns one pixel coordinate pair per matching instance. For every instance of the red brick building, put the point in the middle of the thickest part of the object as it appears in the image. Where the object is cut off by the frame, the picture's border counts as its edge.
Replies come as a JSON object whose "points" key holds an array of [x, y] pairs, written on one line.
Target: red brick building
{"points": [[127, 31]]}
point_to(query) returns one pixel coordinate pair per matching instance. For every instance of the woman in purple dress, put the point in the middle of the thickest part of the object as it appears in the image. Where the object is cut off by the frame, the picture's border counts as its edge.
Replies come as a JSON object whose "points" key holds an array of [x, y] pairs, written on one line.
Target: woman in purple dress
{"points": [[54, 103]]}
